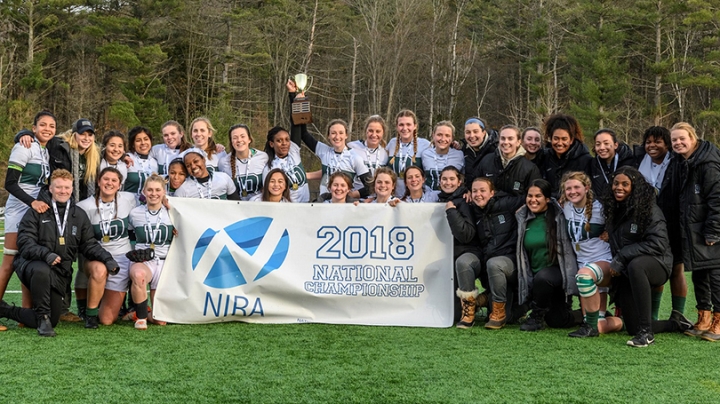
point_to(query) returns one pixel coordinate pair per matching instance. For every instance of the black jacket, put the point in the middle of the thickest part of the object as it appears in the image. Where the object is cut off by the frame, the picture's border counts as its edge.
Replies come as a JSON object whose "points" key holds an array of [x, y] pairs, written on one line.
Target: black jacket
{"points": [[474, 157], [461, 223], [496, 225], [699, 201], [668, 199], [628, 242], [514, 178], [577, 158], [38, 241], [601, 174]]}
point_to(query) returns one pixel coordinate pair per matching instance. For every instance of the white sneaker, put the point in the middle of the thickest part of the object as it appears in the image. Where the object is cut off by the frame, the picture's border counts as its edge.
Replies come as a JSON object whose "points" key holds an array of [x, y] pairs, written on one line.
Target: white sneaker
{"points": [[141, 324]]}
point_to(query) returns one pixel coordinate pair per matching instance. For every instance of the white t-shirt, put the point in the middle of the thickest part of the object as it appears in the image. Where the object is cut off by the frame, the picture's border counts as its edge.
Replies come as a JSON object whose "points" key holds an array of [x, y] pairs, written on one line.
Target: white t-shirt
{"points": [[403, 159], [139, 172], [372, 158], [248, 172], [348, 162], [293, 167], [218, 186], [164, 155], [588, 247], [111, 223], [156, 229], [434, 163]]}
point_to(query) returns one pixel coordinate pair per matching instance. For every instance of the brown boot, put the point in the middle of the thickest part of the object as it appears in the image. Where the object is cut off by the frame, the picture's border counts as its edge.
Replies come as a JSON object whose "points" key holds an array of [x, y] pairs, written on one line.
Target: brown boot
{"points": [[703, 324], [467, 300], [713, 334], [482, 300], [497, 317]]}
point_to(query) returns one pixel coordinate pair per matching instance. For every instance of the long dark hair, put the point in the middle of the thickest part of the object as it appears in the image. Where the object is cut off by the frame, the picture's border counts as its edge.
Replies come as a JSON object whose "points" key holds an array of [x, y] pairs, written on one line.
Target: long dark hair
{"points": [[97, 187], [266, 188], [110, 135], [638, 204], [233, 153], [422, 174], [270, 138], [134, 132], [550, 217]]}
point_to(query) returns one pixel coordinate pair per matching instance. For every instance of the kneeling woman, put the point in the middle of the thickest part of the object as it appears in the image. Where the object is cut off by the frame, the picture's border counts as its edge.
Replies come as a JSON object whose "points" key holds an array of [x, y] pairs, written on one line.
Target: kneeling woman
{"points": [[585, 226], [153, 232], [340, 187], [108, 212], [546, 262], [496, 229], [641, 254], [465, 251]]}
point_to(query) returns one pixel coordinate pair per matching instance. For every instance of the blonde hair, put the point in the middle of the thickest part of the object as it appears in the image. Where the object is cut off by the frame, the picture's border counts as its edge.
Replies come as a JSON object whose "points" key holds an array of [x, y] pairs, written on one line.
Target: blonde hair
{"points": [[405, 113], [62, 174], [687, 128], [589, 197], [92, 156], [210, 150], [381, 121], [154, 177], [446, 124]]}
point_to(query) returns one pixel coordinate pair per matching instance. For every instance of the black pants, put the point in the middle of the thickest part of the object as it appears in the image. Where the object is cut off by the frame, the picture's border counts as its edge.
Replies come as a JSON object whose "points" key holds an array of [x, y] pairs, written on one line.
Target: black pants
{"points": [[46, 299], [548, 293], [707, 289], [633, 295]]}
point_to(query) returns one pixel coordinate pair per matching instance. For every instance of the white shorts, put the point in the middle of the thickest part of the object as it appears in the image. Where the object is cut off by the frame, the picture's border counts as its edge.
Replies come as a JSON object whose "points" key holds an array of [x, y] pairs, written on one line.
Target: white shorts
{"points": [[13, 217], [121, 281], [156, 267]]}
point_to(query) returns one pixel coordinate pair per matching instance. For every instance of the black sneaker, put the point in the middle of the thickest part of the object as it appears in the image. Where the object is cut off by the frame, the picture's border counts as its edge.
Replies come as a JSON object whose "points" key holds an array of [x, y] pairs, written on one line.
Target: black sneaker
{"points": [[584, 331], [681, 322], [642, 339], [532, 324], [82, 312], [45, 328], [91, 322]]}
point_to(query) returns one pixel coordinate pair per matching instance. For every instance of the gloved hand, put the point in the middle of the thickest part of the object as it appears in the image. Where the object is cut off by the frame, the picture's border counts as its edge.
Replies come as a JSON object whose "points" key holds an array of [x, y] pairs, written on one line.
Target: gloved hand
{"points": [[146, 254]]}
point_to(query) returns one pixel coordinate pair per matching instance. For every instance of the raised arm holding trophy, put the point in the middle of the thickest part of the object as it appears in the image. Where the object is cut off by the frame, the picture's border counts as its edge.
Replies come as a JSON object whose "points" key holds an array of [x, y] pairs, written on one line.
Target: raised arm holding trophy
{"points": [[301, 114]]}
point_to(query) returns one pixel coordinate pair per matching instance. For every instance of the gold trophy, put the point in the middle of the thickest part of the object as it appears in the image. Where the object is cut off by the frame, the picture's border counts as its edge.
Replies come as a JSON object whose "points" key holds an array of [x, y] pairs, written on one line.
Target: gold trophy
{"points": [[301, 114]]}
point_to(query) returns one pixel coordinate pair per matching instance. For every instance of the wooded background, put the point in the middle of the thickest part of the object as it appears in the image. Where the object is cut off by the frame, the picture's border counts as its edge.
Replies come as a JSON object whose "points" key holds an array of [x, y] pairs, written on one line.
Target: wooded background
{"points": [[619, 64]]}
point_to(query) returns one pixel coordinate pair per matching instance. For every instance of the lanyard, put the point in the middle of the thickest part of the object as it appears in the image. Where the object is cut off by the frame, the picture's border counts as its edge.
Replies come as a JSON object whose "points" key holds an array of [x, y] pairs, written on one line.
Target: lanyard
{"points": [[156, 231], [45, 165], [403, 156], [61, 228], [208, 187], [371, 152], [244, 182], [576, 225], [286, 164], [436, 174], [602, 169], [105, 222]]}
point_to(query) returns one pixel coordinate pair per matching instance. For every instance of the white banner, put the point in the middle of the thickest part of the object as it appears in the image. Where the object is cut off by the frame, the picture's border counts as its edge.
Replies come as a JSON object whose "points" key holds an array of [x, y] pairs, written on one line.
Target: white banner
{"points": [[307, 263]]}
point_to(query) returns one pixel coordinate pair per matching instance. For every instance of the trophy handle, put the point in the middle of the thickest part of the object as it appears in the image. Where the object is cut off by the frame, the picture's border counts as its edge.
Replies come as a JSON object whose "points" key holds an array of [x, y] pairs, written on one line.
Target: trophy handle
{"points": [[309, 84]]}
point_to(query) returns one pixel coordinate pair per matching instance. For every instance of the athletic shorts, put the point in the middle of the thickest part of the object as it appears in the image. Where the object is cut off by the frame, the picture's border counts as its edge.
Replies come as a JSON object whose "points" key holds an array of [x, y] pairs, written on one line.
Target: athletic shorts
{"points": [[156, 267], [13, 217], [120, 282]]}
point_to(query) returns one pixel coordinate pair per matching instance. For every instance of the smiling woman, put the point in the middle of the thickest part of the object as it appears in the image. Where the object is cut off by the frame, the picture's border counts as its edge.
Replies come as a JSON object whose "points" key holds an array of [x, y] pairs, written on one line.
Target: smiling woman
{"points": [[508, 168], [441, 155], [567, 153]]}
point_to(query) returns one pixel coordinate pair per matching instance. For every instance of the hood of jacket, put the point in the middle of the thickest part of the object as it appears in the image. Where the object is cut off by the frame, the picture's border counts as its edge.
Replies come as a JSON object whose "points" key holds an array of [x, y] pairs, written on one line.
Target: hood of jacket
{"points": [[705, 153]]}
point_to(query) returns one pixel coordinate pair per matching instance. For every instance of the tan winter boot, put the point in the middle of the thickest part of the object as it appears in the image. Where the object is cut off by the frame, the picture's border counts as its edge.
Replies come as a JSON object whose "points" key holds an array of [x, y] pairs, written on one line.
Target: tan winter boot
{"points": [[482, 300], [467, 300], [497, 317], [713, 334], [703, 324]]}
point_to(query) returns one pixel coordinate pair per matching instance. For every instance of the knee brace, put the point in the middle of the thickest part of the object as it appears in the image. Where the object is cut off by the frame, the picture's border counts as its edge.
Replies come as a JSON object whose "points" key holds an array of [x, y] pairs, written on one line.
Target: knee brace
{"points": [[596, 271], [586, 285], [8, 251]]}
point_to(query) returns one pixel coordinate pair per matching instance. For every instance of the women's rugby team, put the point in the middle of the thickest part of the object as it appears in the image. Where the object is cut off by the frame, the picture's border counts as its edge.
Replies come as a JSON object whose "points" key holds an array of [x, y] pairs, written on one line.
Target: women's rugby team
{"points": [[536, 218]]}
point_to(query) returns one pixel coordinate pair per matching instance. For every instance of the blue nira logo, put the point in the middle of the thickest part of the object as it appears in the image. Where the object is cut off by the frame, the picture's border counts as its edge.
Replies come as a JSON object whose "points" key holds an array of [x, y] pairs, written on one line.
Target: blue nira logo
{"points": [[248, 235]]}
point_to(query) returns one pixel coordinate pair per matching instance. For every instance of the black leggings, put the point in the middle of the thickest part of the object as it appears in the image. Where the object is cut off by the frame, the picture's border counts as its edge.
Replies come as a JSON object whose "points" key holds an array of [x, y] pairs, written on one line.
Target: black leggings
{"points": [[707, 289], [46, 299], [633, 295], [548, 293]]}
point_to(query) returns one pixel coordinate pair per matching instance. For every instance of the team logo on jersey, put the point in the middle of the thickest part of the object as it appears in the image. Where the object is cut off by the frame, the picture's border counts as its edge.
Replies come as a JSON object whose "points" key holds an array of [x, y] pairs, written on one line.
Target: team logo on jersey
{"points": [[248, 237]]}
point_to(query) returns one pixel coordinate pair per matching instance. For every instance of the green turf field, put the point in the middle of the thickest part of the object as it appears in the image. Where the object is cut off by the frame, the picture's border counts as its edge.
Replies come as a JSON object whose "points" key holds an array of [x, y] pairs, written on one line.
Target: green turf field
{"points": [[328, 363], [237, 362]]}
